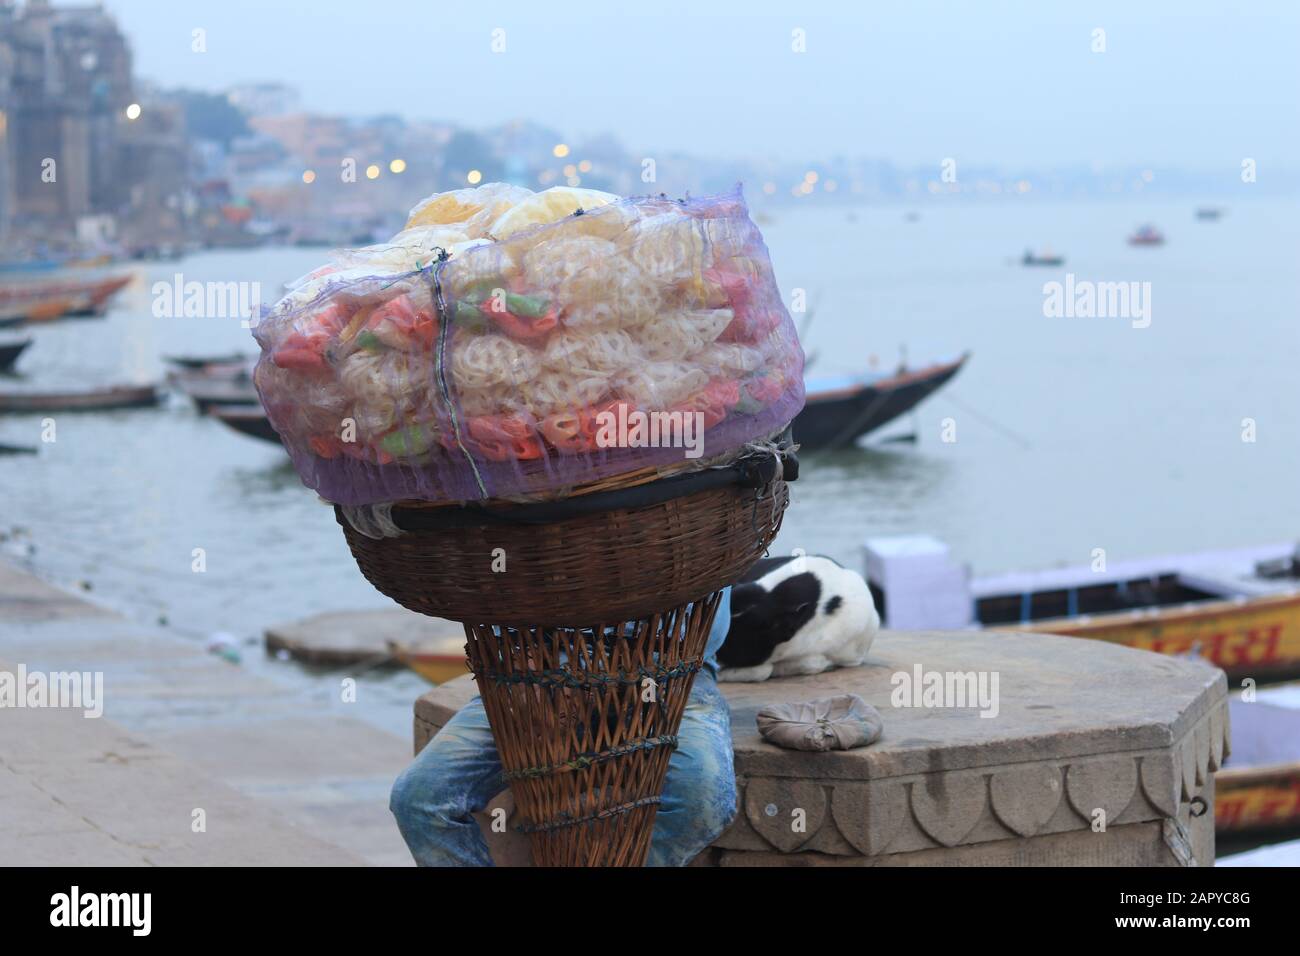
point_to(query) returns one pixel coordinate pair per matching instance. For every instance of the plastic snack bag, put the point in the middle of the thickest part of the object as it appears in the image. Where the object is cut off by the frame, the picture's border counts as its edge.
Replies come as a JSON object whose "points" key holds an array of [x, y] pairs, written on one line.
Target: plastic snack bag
{"points": [[509, 344]]}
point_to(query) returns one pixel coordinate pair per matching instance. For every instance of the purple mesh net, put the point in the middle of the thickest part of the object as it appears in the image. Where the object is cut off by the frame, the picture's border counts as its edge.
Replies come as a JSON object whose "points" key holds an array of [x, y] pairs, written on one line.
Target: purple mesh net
{"points": [[474, 357]]}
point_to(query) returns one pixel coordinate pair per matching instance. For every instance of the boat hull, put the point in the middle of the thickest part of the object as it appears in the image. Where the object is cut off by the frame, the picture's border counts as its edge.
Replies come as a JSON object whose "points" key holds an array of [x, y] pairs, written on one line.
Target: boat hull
{"points": [[1257, 637], [103, 400], [45, 300], [9, 352], [246, 420], [435, 668], [831, 420]]}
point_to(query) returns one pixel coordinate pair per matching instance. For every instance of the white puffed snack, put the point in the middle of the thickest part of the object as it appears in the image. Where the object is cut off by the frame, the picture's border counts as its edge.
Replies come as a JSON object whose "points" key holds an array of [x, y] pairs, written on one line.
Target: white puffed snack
{"points": [[488, 361]]}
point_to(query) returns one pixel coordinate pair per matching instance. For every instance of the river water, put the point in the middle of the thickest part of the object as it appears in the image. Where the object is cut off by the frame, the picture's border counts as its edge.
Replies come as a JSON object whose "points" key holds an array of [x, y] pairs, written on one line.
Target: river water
{"points": [[1070, 433]]}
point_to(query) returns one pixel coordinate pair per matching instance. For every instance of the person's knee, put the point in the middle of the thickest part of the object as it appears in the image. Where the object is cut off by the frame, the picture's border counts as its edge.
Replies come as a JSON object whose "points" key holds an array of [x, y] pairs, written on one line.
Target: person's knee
{"points": [[706, 805], [417, 793], [405, 795]]}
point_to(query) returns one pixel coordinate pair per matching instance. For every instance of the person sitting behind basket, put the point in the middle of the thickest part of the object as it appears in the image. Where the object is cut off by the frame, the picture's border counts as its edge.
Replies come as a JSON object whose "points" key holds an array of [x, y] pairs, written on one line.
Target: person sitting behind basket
{"points": [[459, 773]]}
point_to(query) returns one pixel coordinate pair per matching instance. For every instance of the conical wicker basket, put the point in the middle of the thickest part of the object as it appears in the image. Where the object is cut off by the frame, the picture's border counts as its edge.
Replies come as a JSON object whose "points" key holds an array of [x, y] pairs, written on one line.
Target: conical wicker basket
{"points": [[585, 721], [586, 642]]}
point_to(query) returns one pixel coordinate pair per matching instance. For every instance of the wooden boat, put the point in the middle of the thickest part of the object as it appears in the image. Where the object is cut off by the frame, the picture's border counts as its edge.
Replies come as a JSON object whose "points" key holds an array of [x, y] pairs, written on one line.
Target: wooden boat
{"points": [[207, 394], [437, 662], [1045, 258], [215, 384], [104, 399], [47, 298], [96, 300], [248, 420], [838, 412], [9, 352], [47, 310], [1147, 235], [834, 417], [1237, 608], [1227, 606], [202, 362], [53, 264], [1258, 788]]}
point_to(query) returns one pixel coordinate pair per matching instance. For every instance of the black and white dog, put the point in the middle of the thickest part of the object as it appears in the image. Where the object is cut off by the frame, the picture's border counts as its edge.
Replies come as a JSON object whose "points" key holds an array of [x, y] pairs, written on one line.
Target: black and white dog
{"points": [[799, 615]]}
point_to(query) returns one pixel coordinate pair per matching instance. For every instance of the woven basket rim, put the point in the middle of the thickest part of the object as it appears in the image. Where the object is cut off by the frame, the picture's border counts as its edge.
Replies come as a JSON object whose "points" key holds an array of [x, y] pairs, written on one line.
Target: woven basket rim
{"points": [[751, 471]]}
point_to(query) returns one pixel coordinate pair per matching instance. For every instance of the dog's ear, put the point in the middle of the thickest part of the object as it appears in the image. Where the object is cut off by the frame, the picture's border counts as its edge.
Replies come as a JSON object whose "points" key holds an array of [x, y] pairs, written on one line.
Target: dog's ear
{"points": [[746, 598]]}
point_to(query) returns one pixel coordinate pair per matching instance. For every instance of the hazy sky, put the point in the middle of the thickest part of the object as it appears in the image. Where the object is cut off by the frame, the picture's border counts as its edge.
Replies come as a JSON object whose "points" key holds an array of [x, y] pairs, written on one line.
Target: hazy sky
{"points": [[1183, 83]]}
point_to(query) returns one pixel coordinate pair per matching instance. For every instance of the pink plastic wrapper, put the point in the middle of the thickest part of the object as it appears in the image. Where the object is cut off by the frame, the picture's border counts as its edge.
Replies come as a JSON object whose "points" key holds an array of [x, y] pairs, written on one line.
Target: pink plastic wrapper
{"points": [[646, 333]]}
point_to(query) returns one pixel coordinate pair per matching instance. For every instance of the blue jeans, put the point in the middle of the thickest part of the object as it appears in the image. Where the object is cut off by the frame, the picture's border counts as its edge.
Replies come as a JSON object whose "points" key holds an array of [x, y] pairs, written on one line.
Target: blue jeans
{"points": [[458, 774]]}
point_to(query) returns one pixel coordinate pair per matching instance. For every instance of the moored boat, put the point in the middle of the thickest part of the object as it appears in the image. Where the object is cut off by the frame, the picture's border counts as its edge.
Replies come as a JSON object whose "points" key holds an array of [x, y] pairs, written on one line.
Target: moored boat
{"points": [[437, 662], [839, 411], [248, 420], [207, 392], [1258, 788], [47, 298], [836, 414], [9, 352], [1238, 608], [216, 381], [201, 362], [97, 400]]}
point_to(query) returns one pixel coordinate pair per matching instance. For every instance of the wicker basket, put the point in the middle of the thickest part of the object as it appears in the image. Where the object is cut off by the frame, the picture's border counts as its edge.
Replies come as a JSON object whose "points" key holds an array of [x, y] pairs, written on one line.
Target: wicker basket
{"points": [[607, 565], [585, 643], [585, 721]]}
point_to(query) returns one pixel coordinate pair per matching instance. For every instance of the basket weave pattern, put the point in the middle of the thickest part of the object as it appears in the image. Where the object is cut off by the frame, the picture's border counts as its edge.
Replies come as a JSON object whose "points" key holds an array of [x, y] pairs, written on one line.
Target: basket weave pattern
{"points": [[584, 647], [585, 722], [618, 565]]}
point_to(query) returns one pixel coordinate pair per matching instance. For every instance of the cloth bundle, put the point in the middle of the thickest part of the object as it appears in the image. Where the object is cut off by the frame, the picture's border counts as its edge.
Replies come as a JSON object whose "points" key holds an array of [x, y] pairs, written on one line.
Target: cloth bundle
{"points": [[833, 723], [508, 344]]}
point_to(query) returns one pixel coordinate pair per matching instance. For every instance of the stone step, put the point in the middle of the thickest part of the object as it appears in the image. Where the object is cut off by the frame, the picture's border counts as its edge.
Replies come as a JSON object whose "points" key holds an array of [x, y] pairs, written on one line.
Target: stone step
{"points": [[297, 755]]}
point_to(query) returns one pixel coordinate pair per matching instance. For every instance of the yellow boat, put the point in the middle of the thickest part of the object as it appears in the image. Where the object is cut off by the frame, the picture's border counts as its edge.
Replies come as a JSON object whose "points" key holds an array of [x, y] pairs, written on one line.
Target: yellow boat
{"points": [[1249, 637], [1239, 609], [437, 661], [1258, 788]]}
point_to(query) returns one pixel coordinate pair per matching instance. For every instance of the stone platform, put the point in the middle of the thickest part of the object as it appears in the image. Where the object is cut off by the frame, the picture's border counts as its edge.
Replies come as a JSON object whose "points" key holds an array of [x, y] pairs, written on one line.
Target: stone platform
{"points": [[1097, 755], [283, 776]]}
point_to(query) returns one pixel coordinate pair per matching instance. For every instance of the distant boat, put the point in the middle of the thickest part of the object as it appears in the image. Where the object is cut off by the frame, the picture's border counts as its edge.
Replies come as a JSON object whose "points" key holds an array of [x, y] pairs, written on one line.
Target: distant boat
{"points": [[1209, 213], [1044, 258], [199, 362], [209, 394], [218, 384], [1147, 235], [9, 352], [45, 299], [437, 662], [98, 400], [26, 266], [94, 302], [837, 412], [248, 420]]}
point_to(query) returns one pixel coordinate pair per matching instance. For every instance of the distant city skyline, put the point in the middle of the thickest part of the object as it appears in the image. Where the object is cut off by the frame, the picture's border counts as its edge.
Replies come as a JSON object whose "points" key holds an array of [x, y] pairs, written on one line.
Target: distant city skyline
{"points": [[1194, 85]]}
